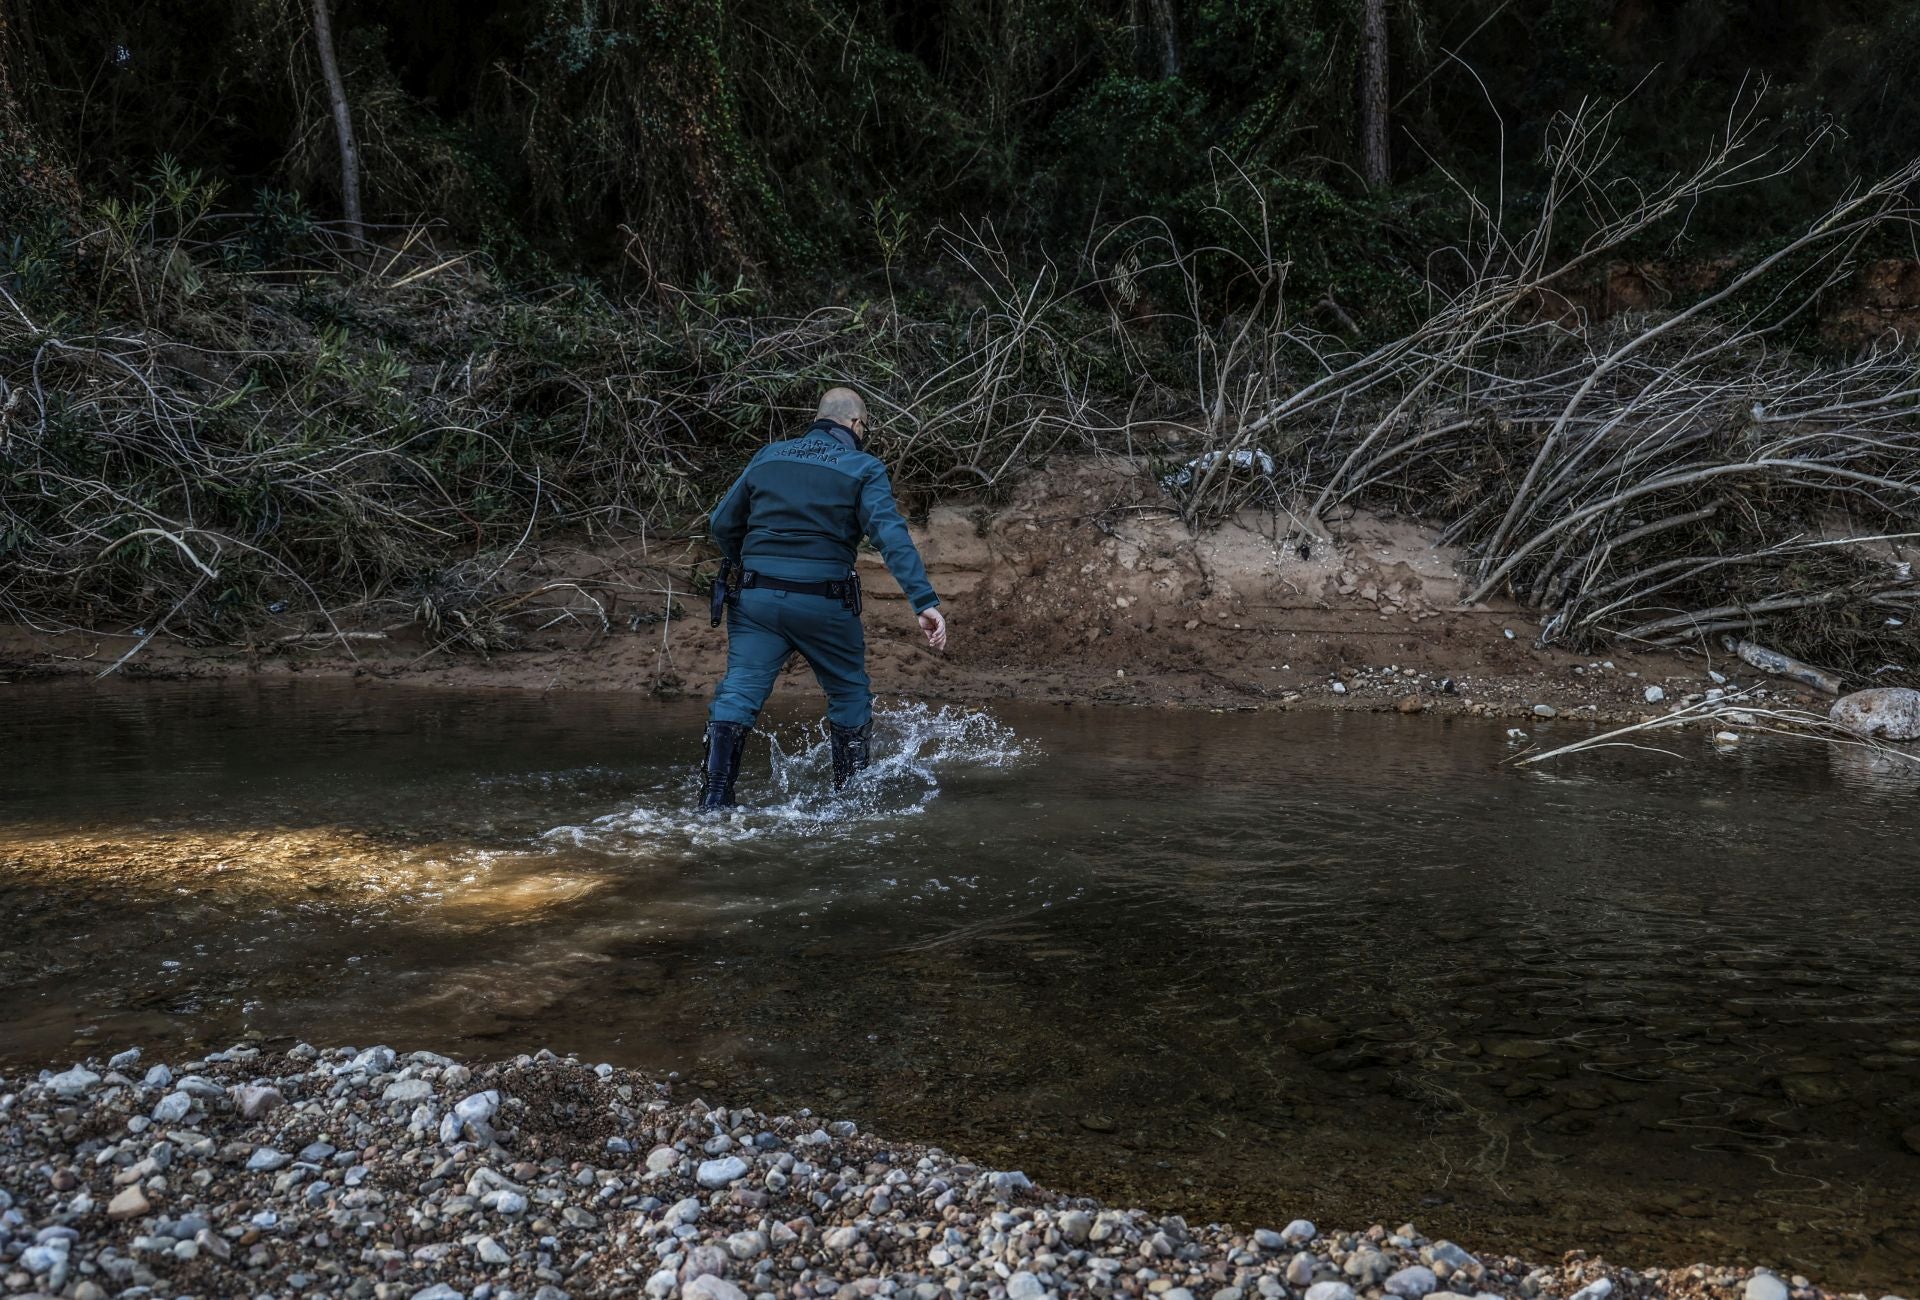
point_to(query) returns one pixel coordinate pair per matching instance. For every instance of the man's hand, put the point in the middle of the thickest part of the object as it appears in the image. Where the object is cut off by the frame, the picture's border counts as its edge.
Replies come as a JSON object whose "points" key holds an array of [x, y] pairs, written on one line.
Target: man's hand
{"points": [[934, 624]]}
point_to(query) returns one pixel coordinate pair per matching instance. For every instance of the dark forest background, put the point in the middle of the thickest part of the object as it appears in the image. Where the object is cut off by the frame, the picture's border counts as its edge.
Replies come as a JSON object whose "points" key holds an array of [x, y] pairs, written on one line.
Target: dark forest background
{"points": [[805, 143]]}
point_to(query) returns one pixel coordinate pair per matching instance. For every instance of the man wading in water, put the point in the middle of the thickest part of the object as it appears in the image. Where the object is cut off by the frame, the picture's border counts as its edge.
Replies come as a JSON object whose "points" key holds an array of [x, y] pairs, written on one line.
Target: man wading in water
{"points": [[790, 523]]}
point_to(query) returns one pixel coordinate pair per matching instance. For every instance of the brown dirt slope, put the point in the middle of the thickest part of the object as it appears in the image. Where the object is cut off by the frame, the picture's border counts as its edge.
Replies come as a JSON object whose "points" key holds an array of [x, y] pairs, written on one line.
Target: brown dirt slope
{"points": [[1081, 588]]}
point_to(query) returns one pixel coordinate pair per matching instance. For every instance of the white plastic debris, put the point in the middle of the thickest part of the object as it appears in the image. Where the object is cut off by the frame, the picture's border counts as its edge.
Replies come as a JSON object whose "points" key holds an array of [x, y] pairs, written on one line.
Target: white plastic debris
{"points": [[1250, 458]]}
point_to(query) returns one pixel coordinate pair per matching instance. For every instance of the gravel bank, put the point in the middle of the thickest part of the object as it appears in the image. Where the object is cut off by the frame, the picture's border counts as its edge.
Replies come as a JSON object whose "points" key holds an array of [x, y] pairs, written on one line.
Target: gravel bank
{"points": [[368, 1173]]}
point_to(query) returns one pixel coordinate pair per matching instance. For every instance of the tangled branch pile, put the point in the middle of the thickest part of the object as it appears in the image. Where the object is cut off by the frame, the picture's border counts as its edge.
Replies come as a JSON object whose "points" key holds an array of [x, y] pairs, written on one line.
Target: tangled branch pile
{"points": [[1657, 478], [279, 417], [262, 414]]}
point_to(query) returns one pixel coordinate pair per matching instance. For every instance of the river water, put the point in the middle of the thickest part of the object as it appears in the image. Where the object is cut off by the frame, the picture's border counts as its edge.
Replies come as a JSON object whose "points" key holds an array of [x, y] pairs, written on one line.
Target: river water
{"points": [[1354, 968]]}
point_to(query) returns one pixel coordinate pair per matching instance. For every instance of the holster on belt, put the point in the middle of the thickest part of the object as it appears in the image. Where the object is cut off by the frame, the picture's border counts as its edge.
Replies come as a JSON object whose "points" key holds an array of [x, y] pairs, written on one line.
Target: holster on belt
{"points": [[845, 590], [721, 594]]}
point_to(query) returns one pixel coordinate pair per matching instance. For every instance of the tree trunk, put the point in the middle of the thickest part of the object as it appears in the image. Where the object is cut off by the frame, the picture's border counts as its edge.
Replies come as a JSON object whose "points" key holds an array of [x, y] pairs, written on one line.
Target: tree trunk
{"points": [[1156, 43], [342, 121], [1376, 162], [1166, 42]]}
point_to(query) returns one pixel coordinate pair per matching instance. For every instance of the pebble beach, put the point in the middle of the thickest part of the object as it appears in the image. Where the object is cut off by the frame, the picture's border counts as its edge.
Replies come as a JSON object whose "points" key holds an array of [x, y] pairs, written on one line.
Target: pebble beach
{"points": [[375, 1173]]}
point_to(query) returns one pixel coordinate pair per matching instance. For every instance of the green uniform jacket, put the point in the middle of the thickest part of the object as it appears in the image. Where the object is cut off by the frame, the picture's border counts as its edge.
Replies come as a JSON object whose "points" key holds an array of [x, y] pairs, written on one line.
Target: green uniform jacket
{"points": [[800, 508]]}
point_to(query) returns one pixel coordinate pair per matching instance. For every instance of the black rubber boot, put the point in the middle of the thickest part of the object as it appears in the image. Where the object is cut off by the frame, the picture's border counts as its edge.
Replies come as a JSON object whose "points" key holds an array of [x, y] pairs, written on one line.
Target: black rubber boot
{"points": [[849, 752], [725, 743]]}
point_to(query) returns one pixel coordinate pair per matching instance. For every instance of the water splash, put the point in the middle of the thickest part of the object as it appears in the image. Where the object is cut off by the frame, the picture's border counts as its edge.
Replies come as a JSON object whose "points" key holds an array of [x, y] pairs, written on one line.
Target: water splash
{"points": [[912, 747]]}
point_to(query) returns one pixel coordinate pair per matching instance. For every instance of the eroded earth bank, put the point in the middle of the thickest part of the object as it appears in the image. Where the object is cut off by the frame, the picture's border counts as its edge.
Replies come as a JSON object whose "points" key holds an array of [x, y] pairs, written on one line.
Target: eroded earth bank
{"points": [[1083, 587]]}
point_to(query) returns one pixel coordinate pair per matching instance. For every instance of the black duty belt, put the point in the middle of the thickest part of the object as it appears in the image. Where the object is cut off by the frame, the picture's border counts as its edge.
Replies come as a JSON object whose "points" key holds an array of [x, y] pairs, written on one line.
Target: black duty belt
{"points": [[845, 590]]}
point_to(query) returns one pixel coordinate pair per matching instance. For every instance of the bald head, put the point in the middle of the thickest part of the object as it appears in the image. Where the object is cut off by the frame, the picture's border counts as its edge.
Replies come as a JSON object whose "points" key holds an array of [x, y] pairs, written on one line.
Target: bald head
{"points": [[842, 406]]}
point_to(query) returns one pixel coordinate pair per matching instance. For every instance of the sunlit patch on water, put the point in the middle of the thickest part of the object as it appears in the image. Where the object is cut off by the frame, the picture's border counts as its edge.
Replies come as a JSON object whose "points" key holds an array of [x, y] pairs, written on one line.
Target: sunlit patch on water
{"points": [[912, 748], [318, 866]]}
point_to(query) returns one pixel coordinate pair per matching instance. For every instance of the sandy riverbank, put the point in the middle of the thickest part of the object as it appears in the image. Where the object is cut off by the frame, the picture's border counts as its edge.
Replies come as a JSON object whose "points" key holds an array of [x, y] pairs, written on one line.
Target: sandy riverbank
{"points": [[374, 1174], [1082, 589]]}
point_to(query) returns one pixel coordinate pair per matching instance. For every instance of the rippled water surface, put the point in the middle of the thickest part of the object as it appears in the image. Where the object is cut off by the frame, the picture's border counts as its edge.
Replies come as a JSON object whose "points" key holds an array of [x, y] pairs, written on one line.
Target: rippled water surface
{"points": [[1244, 966]]}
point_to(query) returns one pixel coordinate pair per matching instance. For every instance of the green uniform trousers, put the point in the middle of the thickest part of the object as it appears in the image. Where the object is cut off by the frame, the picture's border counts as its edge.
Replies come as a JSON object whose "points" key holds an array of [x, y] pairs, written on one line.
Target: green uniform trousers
{"points": [[766, 628]]}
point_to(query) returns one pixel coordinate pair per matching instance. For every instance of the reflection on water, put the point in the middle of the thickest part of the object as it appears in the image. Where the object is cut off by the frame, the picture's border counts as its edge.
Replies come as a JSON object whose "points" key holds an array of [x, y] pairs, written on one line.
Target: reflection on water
{"points": [[1244, 966]]}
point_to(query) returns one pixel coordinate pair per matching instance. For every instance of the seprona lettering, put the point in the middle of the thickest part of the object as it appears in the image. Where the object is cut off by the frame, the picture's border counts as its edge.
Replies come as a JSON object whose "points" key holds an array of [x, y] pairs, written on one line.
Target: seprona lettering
{"points": [[812, 450]]}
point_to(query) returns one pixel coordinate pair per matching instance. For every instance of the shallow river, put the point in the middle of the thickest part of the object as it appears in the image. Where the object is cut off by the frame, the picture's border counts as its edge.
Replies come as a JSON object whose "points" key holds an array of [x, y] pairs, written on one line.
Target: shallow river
{"points": [[1347, 967]]}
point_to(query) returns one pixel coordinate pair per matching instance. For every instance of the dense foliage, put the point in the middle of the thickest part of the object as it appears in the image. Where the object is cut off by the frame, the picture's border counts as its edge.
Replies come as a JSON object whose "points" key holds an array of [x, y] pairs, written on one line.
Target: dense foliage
{"points": [[795, 142]]}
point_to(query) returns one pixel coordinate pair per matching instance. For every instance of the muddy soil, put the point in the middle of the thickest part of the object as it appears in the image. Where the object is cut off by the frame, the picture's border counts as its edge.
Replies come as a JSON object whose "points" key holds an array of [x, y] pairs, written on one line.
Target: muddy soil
{"points": [[1082, 588]]}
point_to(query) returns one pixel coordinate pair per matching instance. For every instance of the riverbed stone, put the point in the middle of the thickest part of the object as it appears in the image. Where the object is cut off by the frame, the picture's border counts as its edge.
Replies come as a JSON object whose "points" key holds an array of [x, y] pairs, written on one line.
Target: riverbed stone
{"points": [[75, 1082], [256, 1100], [715, 1174], [1026, 1286], [172, 1108], [1813, 1089], [479, 1107], [703, 1261], [851, 1217], [1329, 1291], [129, 1203], [1450, 1260], [1366, 1266], [1881, 713], [505, 1202], [1518, 1049], [709, 1287], [747, 1245], [407, 1091], [39, 1260], [1008, 1183], [1412, 1282]]}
